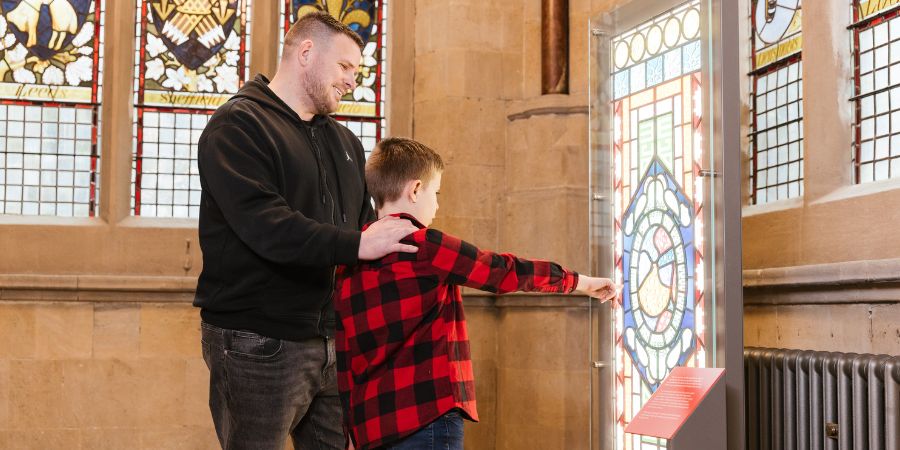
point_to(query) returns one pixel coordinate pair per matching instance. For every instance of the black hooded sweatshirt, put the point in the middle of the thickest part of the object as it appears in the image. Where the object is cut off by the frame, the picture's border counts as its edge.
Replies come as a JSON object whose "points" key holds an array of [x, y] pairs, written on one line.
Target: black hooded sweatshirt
{"points": [[282, 203]]}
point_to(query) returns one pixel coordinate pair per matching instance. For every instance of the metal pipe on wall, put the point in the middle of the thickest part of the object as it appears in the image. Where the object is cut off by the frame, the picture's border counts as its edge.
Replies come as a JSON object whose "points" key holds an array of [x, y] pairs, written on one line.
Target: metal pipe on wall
{"points": [[554, 47]]}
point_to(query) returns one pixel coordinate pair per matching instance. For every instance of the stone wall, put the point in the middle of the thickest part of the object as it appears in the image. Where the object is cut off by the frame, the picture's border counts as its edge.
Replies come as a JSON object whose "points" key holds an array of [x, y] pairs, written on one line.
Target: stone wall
{"points": [[820, 272], [91, 375]]}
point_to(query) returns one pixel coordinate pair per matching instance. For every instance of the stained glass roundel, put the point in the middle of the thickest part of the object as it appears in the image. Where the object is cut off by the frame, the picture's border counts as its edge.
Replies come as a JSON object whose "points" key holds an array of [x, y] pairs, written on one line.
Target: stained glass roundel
{"points": [[774, 18], [659, 271]]}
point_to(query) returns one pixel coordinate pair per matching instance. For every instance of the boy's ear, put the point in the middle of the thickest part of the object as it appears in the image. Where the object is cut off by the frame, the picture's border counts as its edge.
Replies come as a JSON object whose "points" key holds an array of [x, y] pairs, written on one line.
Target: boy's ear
{"points": [[413, 188]]}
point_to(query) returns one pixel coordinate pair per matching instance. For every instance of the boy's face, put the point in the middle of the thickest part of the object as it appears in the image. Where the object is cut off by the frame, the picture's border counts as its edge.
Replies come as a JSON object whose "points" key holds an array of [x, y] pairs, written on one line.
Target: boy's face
{"points": [[426, 194]]}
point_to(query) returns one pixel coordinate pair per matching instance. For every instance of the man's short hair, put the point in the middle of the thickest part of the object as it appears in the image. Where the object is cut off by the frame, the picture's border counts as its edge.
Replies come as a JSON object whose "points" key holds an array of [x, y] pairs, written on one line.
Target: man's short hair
{"points": [[397, 161], [318, 24]]}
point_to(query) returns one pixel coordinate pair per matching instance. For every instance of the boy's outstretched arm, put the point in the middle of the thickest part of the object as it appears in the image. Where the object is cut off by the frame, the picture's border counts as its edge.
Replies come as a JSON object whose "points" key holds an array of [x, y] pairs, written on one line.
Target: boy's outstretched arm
{"points": [[458, 262]]}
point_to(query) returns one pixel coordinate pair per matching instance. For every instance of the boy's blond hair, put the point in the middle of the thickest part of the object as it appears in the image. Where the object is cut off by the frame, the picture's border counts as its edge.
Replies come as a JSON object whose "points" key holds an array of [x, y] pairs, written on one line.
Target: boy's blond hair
{"points": [[397, 161]]}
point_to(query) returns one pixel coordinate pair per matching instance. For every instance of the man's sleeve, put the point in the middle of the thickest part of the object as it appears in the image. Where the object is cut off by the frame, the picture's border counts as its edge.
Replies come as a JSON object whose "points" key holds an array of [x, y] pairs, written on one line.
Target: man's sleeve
{"points": [[459, 262], [239, 175]]}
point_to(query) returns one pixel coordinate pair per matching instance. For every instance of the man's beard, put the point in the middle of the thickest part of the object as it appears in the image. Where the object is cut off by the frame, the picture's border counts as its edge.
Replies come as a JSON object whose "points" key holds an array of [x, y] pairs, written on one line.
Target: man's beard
{"points": [[318, 93]]}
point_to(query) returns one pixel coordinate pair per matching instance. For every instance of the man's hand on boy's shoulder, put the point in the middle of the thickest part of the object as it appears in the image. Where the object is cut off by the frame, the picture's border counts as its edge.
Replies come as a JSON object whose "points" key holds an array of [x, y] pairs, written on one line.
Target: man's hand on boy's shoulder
{"points": [[383, 238], [602, 289]]}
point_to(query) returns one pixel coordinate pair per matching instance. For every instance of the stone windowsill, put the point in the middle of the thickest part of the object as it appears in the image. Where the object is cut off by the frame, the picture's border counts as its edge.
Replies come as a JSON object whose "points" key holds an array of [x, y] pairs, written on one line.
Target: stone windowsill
{"points": [[124, 288]]}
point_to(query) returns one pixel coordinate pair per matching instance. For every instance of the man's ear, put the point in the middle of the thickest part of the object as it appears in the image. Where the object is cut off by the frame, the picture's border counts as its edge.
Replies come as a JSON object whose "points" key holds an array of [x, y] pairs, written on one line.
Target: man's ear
{"points": [[304, 52], [413, 188]]}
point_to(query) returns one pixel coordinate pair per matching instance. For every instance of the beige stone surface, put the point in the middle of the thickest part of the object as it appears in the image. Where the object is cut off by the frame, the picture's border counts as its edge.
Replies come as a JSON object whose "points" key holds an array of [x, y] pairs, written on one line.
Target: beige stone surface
{"points": [[196, 394], [170, 330], [537, 409], [548, 224], [162, 393], [544, 338], [64, 330], [117, 330], [109, 438], [557, 142], [482, 323], [481, 435], [103, 393], [886, 329], [4, 392], [41, 439], [17, 328], [759, 327], [850, 328], [178, 438], [40, 396]]}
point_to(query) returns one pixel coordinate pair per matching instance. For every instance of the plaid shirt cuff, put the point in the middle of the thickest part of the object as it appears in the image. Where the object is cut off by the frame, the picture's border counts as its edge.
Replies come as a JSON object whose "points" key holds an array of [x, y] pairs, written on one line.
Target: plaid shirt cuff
{"points": [[570, 282]]}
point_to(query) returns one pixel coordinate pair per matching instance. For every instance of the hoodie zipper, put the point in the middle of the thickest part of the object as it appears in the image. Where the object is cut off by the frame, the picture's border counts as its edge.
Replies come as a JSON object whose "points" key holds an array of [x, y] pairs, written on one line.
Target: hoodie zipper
{"points": [[312, 131], [319, 325]]}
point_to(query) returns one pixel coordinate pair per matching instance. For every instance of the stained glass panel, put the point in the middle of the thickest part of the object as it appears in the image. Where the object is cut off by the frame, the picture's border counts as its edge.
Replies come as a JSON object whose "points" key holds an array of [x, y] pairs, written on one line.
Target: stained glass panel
{"points": [[776, 163], [777, 29], [191, 57], [658, 208], [365, 104], [877, 70], [50, 86], [867, 9]]}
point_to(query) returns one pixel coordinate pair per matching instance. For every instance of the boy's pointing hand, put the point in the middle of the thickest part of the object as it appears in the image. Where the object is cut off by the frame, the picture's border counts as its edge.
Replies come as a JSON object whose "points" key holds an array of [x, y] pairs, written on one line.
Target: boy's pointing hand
{"points": [[602, 289]]}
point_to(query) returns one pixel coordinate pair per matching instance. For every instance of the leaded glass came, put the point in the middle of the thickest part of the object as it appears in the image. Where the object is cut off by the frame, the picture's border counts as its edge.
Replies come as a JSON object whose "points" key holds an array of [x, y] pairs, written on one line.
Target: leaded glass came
{"points": [[50, 94], [876, 37], [776, 162], [658, 208], [191, 57]]}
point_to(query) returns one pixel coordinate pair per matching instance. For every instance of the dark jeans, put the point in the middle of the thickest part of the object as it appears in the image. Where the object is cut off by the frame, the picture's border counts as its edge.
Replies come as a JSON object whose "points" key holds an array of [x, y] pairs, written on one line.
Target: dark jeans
{"points": [[445, 433], [262, 390]]}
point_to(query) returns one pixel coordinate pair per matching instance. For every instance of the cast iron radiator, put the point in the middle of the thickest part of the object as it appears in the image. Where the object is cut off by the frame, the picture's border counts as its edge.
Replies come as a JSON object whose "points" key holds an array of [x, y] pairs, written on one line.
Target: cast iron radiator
{"points": [[808, 400]]}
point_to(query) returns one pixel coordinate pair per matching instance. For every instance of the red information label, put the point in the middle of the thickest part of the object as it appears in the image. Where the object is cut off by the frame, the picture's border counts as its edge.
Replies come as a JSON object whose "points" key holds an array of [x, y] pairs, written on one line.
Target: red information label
{"points": [[673, 402]]}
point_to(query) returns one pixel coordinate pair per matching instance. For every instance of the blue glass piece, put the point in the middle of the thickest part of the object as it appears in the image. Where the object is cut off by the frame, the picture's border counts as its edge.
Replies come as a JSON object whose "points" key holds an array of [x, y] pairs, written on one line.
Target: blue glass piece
{"points": [[655, 71], [691, 57]]}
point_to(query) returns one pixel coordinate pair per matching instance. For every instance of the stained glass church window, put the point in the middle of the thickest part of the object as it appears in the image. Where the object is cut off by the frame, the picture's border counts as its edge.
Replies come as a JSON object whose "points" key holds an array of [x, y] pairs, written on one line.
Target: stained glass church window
{"points": [[50, 93], [777, 101], [876, 40], [362, 110], [658, 207], [191, 57]]}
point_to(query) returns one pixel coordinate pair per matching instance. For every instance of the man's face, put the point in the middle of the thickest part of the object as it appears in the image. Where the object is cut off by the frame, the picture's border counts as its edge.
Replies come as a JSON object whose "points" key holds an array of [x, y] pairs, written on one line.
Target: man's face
{"points": [[332, 73]]}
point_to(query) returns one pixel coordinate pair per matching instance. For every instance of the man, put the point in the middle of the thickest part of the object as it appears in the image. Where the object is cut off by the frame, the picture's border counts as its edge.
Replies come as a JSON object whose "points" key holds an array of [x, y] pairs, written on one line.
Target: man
{"points": [[284, 198]]}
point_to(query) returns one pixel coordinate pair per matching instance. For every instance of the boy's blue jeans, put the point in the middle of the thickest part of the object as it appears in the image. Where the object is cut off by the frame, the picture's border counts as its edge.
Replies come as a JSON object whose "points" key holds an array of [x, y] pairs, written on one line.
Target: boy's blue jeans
{"points": [[445, 433]]}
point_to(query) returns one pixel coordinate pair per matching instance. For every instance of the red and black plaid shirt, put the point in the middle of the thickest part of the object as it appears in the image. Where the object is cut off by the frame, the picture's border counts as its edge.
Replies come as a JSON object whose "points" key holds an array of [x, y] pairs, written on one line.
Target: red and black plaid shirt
{"points": [[402, 347]]}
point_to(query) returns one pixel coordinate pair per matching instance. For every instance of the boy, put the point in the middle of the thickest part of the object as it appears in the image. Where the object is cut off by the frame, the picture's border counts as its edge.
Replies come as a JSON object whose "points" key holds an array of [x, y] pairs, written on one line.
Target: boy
{"points": [[404, 368]]}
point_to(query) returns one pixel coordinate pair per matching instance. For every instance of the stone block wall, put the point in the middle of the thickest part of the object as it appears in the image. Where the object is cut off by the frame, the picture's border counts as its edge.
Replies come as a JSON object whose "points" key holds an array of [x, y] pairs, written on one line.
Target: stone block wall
{"points": [[91, 375]]}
